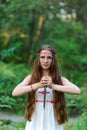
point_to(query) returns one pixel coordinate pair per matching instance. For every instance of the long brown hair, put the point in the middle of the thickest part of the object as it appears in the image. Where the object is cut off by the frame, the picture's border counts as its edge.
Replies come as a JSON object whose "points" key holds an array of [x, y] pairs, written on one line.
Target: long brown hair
{"points": [[58, 97]]}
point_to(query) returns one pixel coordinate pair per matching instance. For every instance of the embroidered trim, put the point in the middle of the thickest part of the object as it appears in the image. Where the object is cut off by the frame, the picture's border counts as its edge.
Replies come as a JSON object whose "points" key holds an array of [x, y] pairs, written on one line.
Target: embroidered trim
{"points": [[42, 92], [50, 101]]}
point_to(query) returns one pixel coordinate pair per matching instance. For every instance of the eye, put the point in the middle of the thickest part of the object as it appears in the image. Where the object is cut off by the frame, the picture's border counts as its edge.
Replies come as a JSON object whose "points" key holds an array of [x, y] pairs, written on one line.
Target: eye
{"points": [[42, 57], [49, 57]]}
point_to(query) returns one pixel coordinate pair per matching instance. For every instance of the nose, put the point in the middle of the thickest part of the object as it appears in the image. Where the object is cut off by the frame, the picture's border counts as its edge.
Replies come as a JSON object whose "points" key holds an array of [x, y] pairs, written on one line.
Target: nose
{"points": [[45, 60]]}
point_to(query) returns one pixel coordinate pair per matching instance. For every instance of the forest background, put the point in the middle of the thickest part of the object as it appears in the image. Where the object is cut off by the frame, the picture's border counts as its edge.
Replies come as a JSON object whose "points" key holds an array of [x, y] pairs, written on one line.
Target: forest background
{"points": [[24, 27]]}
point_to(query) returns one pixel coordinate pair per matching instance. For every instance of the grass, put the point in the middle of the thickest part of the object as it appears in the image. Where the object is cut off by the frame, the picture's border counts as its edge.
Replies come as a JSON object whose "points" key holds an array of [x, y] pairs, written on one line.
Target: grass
{"points": [[79, 123]]}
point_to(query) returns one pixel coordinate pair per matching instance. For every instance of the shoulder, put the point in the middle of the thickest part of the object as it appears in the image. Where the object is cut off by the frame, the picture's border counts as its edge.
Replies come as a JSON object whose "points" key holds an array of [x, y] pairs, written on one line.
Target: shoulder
{"points": [[65, 80], [27, 79]]}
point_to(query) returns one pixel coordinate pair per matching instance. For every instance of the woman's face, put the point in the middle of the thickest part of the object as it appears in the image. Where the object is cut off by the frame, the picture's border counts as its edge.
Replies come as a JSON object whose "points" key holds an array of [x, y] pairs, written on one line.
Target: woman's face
{"points": [[46, 59]]}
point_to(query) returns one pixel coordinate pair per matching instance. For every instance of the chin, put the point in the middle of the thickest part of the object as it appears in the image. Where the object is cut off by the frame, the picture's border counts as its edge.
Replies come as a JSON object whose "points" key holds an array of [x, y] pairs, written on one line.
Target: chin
{"points": [[46, 68]]}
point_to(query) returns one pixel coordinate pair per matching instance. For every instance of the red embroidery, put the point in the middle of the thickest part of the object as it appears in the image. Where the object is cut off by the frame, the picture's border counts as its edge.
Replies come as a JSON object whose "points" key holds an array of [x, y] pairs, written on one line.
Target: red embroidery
{"points": [[51, 101], [42, 92], [45, 53]]}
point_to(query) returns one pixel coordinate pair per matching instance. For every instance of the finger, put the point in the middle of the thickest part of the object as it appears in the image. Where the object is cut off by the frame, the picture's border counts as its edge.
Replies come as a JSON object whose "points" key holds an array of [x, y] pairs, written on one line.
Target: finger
{"points": [[44, 82]]}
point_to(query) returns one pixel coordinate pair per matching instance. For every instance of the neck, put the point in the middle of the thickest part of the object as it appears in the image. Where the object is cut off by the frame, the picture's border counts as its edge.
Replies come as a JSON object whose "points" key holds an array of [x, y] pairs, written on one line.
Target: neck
{"points": [[46, 73]]}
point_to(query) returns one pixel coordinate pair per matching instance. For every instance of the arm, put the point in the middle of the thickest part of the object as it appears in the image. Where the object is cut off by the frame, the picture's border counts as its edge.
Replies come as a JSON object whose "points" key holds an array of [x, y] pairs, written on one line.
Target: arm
{"points": [[24, 87], [67, 87]]}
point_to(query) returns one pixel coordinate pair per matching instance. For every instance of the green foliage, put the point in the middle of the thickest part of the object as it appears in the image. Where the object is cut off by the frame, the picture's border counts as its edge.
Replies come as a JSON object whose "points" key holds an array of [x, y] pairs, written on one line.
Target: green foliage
{"points": [[10, 54], [14, 50], [21, 14], [7, 102], [76, 104], [10, 76], [69, 39], [20, 125], [81, 123], [20, 21], [67, 36], [14, 126]]}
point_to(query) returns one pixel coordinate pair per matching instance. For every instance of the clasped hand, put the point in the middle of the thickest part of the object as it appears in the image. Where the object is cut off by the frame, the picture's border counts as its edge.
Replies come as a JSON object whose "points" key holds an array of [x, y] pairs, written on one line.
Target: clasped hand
{"points": [[46, 81]]}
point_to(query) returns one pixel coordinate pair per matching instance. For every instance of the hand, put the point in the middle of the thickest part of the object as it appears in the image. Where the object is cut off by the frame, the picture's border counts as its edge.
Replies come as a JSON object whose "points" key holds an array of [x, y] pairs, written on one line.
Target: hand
{"points": [[46, 81]]}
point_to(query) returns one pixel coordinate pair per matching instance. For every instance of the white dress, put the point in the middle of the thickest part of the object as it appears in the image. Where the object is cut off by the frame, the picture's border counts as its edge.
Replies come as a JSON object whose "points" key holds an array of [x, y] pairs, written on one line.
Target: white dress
{"points": [[43, 118]]}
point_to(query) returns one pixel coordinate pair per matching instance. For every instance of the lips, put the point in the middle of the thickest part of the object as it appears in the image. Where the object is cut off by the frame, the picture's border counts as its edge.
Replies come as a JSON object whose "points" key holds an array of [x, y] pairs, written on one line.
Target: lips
{"points": [[45, 65]]}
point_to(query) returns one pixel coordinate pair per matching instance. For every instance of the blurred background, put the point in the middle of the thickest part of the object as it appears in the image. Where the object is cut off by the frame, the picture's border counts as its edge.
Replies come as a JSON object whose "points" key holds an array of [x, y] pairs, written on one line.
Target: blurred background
{"points": [[24, 27]]}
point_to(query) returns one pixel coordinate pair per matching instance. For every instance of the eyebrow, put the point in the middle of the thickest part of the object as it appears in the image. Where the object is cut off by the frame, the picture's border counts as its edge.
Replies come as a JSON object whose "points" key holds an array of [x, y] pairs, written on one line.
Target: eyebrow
{"points": [[47, 56]]}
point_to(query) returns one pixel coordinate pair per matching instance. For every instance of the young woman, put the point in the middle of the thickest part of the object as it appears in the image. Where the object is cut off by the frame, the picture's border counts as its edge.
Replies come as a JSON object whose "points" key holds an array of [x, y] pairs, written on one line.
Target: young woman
{"points": [[46, 108]]}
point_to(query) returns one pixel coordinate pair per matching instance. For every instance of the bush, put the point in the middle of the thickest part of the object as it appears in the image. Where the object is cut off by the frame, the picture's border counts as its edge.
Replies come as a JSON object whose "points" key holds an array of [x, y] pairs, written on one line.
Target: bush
{"points": [[10, 75], [81, 123], [76, 104]]}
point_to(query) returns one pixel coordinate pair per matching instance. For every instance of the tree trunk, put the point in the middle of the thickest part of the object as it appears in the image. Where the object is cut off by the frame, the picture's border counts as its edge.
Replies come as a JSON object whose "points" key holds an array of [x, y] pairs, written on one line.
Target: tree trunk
{"points": [[38, 36], [82, 17]]}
